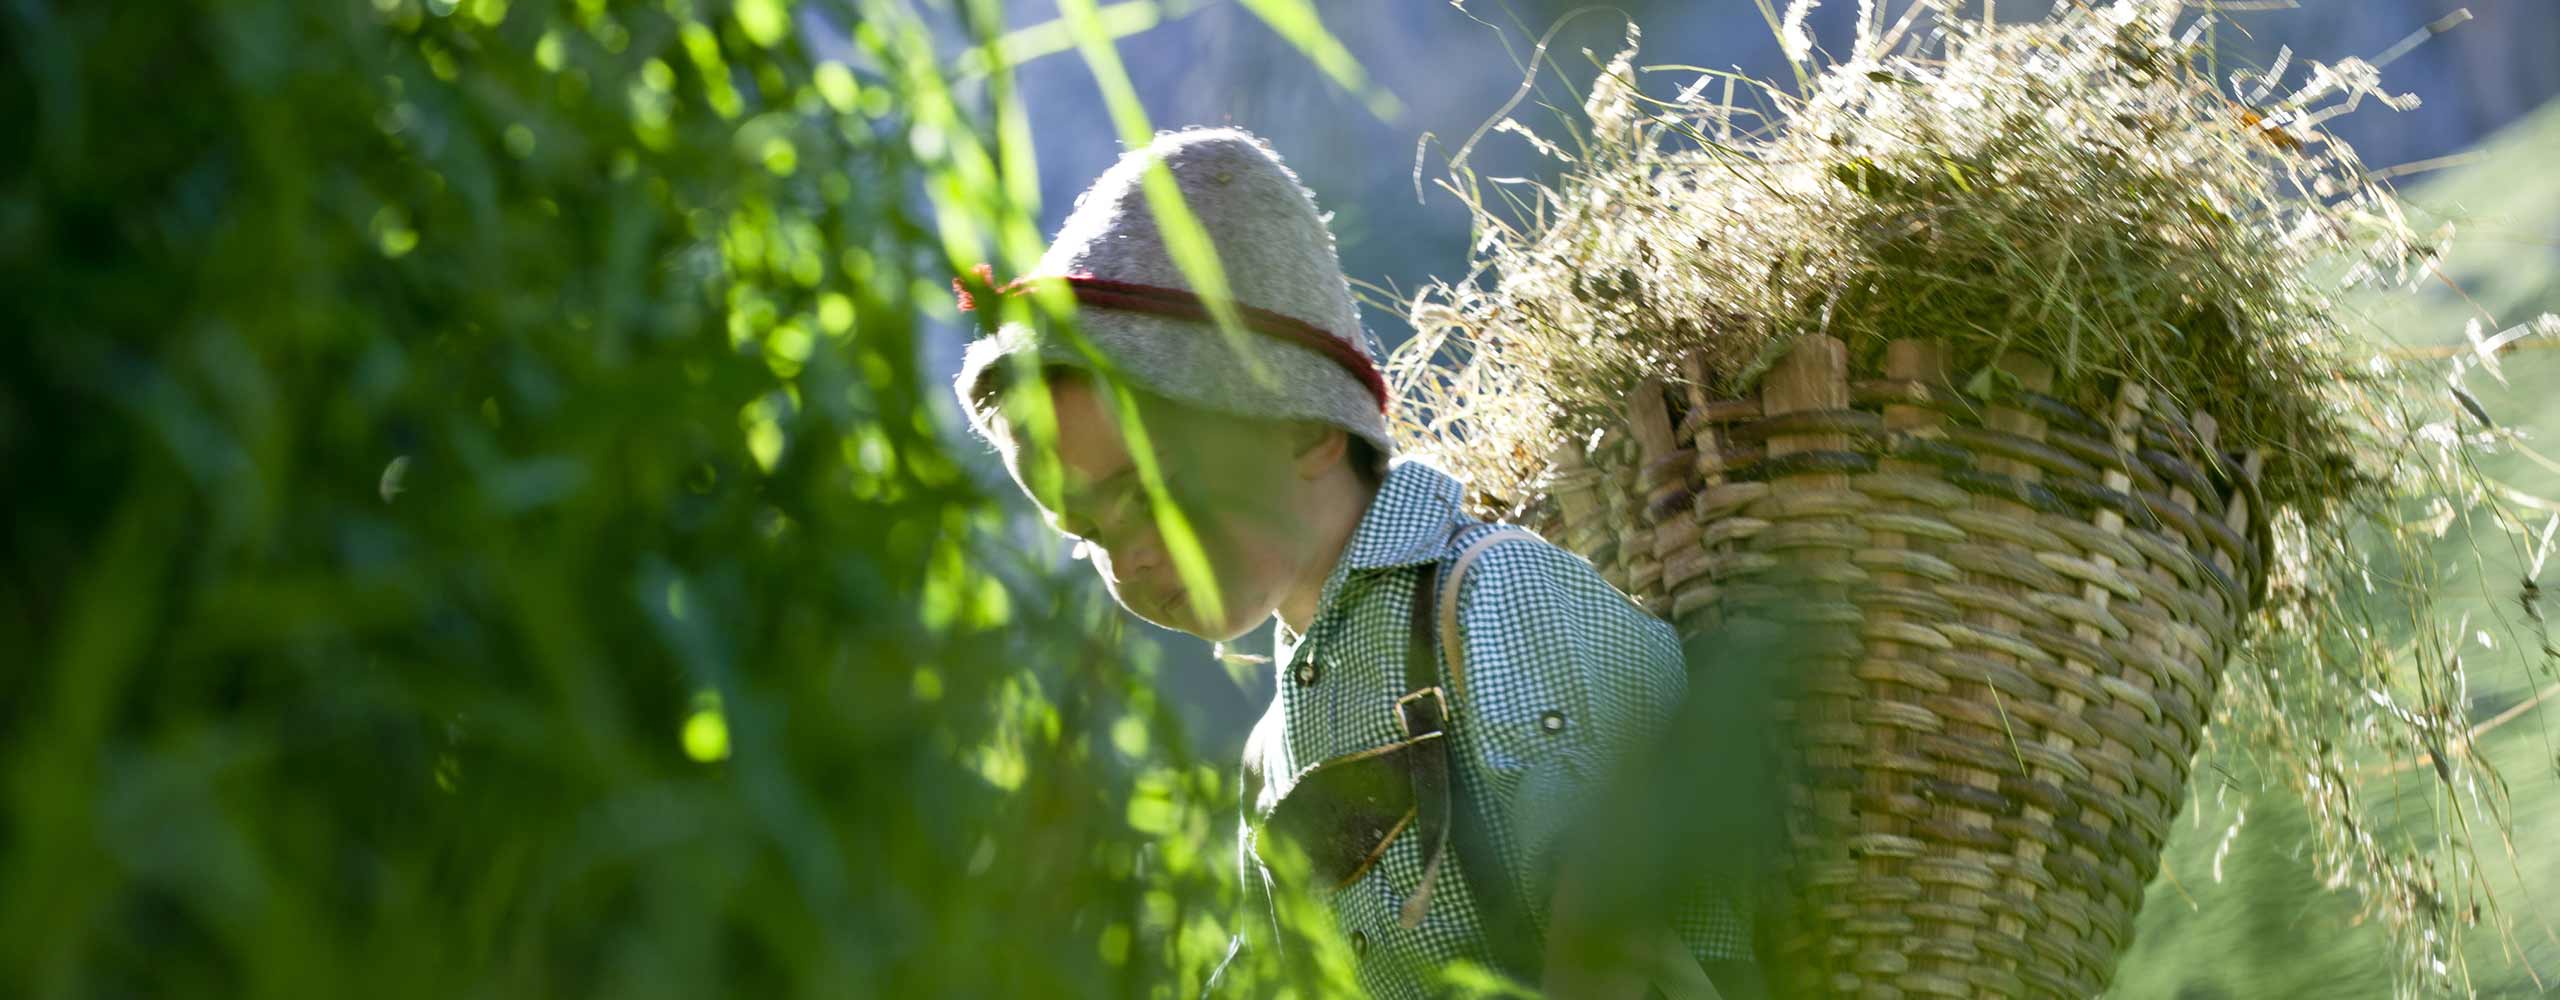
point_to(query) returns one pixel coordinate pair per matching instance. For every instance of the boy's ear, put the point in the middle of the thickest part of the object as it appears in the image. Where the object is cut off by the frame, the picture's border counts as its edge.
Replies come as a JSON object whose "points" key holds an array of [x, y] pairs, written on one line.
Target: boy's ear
{"points": [[1316, 446]]}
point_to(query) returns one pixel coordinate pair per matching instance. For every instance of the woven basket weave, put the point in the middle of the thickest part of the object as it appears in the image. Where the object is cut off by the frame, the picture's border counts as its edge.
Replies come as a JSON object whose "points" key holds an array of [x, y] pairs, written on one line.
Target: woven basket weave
{"points": [[2020, 609]]}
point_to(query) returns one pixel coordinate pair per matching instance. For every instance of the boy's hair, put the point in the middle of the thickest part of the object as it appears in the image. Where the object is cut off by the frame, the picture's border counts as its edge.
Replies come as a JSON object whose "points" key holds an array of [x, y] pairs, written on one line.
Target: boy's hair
{"points": [[986, 414]]}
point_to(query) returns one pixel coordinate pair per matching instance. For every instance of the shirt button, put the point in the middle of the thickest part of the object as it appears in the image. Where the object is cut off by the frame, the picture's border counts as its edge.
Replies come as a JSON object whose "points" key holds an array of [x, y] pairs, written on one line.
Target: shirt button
{"points": [[1359, 943], [1551, 721], [1307, 674]]}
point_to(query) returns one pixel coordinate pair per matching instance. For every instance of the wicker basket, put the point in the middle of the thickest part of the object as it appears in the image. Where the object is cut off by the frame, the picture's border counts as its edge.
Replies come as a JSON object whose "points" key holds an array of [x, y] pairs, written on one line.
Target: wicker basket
{"points": [[2062, 565]]}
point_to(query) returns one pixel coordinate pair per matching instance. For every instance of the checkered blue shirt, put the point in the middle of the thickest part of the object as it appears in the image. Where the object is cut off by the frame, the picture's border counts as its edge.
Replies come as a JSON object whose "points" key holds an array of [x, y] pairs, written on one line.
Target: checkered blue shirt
{"points": [[1562, 673]]}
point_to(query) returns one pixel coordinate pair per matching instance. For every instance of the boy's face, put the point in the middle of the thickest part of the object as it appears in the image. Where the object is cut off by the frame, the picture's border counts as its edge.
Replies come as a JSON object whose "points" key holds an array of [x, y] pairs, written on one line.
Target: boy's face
{"points": [[1233, 478]]}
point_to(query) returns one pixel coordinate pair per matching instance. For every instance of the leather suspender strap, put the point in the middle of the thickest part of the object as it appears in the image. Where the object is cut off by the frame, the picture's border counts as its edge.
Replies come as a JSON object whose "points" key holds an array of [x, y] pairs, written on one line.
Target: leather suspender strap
{"points": [[1425, 709]]}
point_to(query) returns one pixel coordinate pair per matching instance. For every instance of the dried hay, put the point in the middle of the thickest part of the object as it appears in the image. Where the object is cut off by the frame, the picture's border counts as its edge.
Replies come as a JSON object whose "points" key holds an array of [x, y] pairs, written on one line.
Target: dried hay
{"points": [[2078, 189]]}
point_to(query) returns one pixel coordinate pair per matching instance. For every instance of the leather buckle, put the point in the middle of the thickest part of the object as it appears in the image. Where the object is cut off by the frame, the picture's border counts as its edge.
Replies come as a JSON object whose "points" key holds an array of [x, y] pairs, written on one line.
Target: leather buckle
{"points": [[1405, 707]]}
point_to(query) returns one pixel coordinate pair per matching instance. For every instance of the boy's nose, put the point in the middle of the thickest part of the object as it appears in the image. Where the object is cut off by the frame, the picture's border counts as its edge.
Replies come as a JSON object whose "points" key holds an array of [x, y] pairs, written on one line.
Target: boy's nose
{"points": [[1121, 568], [1150, 578], [1136, 562]]}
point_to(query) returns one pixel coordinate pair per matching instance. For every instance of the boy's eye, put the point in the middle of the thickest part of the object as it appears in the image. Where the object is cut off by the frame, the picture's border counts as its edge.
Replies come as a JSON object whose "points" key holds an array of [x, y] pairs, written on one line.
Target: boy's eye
{"points": [[1115, 506], [1128, 499]]}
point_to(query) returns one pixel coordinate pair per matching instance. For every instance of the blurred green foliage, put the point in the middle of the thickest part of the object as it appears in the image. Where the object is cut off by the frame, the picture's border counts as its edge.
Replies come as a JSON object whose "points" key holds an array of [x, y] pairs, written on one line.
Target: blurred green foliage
{"points": [[476, 525], [2241, 909]]}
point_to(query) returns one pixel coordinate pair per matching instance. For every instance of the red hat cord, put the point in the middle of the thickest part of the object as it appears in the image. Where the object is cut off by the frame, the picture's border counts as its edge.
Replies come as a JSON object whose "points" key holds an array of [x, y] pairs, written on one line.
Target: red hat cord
{"points": [[1178, 303]]}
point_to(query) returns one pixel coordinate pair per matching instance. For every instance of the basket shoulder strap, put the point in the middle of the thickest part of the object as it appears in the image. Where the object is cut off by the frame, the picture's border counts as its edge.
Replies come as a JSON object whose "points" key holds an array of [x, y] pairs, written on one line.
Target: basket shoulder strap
{"points": [[1452, 650], [1674, 971], [1517, 946]]}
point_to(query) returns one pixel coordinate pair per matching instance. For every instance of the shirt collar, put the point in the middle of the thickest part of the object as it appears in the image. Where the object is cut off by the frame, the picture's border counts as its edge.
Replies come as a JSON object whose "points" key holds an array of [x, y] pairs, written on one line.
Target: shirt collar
{"points": [[1408, 520], [1407, 523]]}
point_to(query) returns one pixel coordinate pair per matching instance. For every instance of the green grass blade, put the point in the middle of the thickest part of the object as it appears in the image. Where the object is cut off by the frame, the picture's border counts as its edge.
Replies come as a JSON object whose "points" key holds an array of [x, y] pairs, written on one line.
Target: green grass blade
{"points": [[1296, 21]]}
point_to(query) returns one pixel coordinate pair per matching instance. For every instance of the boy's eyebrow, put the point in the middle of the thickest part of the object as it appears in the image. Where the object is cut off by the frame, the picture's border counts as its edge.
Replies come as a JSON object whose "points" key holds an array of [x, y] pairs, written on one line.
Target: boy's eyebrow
{"points": [[1079, 497]]}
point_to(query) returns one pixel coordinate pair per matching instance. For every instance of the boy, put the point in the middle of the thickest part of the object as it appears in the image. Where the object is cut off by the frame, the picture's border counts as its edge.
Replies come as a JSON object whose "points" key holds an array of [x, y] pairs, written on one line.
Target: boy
{"points": [[1492, 677]]}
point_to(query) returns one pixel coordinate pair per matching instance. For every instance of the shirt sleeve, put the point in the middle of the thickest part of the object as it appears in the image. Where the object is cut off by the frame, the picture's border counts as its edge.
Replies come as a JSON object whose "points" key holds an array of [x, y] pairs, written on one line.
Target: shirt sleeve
{"points": [[1256, 923], [1249, 917], [1562, 675]]}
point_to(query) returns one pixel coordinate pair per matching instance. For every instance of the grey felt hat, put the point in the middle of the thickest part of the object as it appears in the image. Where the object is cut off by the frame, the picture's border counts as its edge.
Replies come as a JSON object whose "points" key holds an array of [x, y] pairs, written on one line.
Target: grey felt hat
{"points": [[1137, 308]]}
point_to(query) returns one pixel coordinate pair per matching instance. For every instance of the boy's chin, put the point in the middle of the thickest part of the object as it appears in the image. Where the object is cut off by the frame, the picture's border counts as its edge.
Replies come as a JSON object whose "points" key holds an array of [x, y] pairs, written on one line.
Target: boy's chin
{"points": [[1176, 614]]}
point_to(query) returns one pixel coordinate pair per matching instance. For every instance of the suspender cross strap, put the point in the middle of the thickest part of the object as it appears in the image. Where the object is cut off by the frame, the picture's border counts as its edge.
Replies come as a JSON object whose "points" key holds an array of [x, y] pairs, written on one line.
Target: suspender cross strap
{"points": [[1346, 809], [1424, 710]]}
